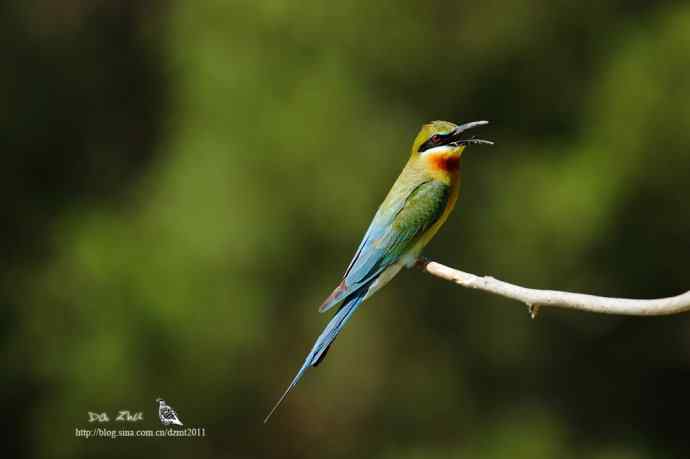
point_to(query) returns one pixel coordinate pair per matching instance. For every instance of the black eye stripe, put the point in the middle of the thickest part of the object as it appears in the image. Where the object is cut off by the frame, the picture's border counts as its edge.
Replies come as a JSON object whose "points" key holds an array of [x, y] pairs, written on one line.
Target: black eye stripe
{"points": [[434, 141]]}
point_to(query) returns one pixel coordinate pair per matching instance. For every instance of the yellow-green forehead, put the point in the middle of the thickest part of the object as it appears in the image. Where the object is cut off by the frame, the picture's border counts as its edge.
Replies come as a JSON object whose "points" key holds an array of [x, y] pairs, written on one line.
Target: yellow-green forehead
{"points": [[431, 128], [437, 127]]}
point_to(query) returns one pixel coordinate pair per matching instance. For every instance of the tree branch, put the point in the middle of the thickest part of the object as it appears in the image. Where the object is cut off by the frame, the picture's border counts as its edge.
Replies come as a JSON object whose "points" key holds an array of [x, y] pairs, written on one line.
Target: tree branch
{"points": [[534, 298]]}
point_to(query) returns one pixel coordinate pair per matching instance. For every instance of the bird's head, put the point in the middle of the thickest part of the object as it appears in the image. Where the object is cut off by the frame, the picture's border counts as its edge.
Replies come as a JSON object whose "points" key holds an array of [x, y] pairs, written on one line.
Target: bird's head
{"points": [[440, 143], [160, 400]]}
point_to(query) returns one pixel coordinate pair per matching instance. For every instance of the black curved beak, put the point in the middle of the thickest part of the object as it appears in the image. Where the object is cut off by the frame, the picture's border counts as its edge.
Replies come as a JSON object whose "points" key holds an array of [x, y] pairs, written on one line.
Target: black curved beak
{"points": [[456, 135]]}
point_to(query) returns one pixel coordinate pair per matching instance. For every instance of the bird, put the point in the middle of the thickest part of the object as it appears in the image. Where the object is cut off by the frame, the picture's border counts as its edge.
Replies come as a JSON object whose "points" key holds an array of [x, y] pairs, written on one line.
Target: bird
{"points": [[167, 414], [416, 206]]}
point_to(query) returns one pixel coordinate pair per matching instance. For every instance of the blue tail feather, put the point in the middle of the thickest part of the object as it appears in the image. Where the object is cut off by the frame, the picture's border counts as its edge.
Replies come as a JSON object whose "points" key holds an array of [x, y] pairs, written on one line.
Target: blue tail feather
{"points": [[323, 342]]}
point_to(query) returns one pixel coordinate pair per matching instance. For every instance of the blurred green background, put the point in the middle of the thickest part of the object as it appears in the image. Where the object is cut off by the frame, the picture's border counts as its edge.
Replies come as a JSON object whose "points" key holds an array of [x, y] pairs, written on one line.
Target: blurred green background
{"points": [[184, 182]]}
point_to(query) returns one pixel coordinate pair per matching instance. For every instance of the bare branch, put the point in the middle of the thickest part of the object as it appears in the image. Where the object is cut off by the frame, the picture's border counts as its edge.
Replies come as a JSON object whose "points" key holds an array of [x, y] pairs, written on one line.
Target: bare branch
{"points": [[534, 298]]}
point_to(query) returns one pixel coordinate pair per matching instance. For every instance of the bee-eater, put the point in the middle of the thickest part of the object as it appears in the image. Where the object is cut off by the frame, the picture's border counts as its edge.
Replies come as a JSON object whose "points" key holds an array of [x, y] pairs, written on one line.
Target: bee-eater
{"points": [[416, 206]]}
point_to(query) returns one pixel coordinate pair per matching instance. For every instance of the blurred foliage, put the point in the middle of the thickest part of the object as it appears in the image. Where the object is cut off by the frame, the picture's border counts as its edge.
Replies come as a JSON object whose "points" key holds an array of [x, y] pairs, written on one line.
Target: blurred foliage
{"points": [[186, 181]]}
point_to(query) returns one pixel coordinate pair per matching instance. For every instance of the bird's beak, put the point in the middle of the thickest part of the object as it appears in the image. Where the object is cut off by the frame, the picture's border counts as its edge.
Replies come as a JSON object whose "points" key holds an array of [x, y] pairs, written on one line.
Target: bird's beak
{"points": [[457, 140]]}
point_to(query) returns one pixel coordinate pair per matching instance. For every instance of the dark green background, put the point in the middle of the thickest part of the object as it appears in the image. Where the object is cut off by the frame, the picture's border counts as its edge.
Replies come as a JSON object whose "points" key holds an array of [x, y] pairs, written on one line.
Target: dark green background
{"points": [[183, 182]]}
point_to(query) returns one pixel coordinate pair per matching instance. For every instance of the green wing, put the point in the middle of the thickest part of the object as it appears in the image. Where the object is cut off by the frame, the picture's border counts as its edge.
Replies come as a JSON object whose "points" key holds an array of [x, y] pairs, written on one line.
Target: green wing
{"points": [[422, 209], [394, 230]]}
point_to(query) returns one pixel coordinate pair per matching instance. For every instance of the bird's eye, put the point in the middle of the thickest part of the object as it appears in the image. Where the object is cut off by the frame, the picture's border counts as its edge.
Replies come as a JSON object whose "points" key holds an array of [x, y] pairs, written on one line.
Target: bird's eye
{"points": [[436, 138]]}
